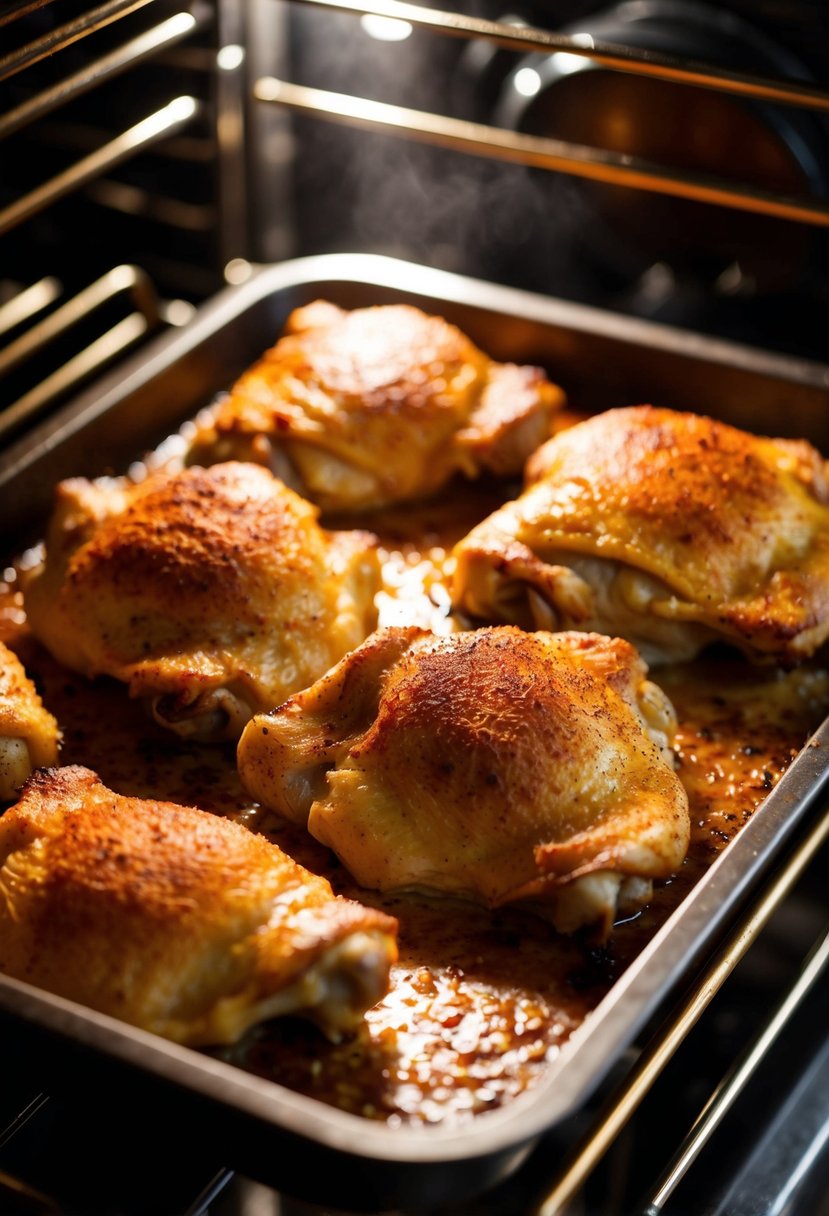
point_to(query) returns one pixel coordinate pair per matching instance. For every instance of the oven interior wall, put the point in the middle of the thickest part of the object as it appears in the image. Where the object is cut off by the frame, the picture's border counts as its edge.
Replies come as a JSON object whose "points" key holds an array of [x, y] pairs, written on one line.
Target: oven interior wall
{"points": [[693, 264], [139, 142]]}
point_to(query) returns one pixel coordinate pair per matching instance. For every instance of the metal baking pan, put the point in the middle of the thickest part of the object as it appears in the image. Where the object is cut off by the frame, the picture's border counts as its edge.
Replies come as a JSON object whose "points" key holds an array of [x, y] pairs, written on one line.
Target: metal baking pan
{"points": [[289, 1141]]}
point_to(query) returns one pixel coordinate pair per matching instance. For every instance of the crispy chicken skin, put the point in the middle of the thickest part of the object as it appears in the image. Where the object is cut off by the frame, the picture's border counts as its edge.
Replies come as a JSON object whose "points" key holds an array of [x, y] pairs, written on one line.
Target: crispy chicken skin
{"points": [[29, 734], [176, 920], [211, 592], [669, 529], [380, 405], [495, 765]]}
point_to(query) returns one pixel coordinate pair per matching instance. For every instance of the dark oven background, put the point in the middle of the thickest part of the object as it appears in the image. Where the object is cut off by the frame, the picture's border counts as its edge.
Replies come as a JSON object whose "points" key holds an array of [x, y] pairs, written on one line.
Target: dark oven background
{"points": [[130, 135], [709, 268]]}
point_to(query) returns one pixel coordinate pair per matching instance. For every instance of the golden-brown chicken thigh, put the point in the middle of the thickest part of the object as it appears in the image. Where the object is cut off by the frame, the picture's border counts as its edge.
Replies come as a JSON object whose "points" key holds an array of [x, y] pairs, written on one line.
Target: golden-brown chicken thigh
{"points": [[211, 592], [495, 765], [29, 734], [669, 529], [174, 919], [375, 406]]}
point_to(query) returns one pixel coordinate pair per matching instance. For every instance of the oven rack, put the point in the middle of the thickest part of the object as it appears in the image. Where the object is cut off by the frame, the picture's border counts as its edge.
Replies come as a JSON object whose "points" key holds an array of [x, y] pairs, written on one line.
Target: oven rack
{"points": [[215, 35], [158, 35], [597, 164], [790, 1162], [165, 177]]}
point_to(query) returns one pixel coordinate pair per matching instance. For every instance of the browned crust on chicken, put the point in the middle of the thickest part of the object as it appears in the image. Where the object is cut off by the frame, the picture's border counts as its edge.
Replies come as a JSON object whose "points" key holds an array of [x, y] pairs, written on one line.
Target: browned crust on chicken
{"points": [[493, 764], [732, 529], [201, 580], [171, 918], [29, 734], [378, 405]]}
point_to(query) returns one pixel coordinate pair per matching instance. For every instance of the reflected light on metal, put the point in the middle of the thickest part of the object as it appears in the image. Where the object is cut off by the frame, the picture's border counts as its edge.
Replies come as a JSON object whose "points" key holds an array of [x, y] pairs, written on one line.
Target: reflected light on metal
{"points": [[238, 270], [385, 29], [28, 302], [230, 57], [556, 155], [527, 82]]}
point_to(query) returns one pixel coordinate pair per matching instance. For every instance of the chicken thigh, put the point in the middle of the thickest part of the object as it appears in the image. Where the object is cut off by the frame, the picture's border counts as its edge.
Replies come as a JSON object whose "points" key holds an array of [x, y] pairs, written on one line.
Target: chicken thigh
{"points": [[210, 592], [669, 529], [29, 734], [494, 765], [176, 920], [380, 405]]}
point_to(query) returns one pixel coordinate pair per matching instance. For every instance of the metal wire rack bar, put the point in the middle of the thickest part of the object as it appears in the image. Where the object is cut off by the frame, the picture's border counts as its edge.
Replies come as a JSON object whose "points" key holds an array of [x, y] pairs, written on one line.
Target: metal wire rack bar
{"points": [[66, 35], [497, 143], [158, 125], [623, 1103], [621, 58], [165, 34], [577, 160]]}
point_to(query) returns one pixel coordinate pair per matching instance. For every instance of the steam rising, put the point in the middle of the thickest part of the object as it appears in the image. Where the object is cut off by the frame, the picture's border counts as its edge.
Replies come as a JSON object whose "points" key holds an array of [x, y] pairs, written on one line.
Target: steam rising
{"points": [[380, 193]]}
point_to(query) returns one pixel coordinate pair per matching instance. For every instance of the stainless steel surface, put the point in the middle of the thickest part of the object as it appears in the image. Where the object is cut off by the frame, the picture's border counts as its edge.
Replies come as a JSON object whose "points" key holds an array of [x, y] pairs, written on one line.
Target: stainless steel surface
{"points": [[791, 1148], [234, 238], [265, 1130]]}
